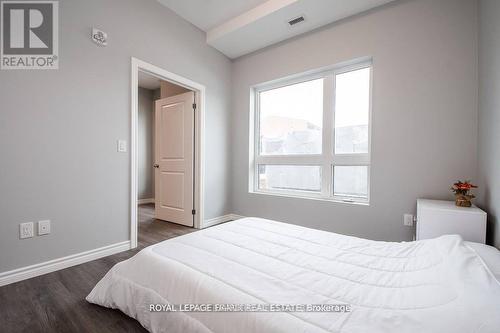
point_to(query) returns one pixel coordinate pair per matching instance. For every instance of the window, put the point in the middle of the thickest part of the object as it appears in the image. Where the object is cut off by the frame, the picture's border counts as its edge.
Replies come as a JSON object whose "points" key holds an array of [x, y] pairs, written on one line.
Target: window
{"points": [[312, 135]]}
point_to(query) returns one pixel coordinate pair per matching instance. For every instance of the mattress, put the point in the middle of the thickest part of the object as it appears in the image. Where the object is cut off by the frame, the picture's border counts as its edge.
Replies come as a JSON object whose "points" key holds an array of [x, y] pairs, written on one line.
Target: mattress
{"points": [[303, 280]]}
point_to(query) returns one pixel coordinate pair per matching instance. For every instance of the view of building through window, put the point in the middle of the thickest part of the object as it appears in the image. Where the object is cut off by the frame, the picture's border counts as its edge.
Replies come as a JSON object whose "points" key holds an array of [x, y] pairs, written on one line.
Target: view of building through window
{"points": [[352, 102], [291, 128], [291, 119]]}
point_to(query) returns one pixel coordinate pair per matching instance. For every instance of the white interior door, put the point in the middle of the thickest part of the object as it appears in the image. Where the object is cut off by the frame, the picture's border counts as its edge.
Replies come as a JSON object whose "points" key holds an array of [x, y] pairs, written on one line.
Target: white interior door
{"points": [[174, 151]]}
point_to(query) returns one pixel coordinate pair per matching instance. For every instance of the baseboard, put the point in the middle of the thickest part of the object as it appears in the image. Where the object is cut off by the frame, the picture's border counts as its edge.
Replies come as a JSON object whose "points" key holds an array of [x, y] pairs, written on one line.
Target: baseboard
{"points": [[236, 217], [221, 219], [145, 201], [28, 272]]}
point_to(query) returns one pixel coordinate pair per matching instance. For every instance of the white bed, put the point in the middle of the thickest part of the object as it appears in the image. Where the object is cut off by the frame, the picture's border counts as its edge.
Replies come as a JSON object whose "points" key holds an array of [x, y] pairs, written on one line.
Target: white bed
{"points": [[438, 285]]}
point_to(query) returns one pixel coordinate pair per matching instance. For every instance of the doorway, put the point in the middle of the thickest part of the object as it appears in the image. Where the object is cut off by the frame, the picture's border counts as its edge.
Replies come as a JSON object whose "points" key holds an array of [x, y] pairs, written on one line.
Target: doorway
{"points": [[166, 146]]}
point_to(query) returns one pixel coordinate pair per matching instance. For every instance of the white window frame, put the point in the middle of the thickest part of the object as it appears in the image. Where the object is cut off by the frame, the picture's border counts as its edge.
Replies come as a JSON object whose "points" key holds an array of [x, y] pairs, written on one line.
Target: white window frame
{"points": [[328, 159]]}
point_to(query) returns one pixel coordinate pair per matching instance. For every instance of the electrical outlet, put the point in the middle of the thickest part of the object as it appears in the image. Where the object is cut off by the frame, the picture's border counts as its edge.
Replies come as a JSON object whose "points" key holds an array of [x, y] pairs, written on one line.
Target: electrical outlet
{"points": [[121, 146], [26, 230], [43, 227], [408, 220]]}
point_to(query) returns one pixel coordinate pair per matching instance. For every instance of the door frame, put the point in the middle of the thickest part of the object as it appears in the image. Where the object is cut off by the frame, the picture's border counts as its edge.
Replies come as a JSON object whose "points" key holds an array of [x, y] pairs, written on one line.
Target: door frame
{"points": [[199, 130]]}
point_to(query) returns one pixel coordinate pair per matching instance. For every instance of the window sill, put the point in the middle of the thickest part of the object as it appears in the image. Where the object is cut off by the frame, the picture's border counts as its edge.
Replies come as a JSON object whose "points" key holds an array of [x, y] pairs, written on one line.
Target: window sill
{"points": [[298, 196]]}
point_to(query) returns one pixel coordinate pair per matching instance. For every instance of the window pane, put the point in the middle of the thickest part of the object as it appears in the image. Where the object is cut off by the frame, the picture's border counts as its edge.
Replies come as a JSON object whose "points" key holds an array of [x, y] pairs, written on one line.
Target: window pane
{"points": [[291, 119], [290, 177], [352, 102], [350, 181]]}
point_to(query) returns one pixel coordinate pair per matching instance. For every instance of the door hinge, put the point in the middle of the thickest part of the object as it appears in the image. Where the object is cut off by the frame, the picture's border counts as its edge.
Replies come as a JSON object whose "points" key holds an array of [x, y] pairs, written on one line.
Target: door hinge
{"points": [[193, 212], [194, 106]]}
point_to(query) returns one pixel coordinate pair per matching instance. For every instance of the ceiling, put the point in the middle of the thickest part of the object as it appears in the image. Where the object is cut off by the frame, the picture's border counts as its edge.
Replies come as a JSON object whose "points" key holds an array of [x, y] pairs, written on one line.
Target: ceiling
{"points": [[207, 14], [238, 27], [148, 81]]}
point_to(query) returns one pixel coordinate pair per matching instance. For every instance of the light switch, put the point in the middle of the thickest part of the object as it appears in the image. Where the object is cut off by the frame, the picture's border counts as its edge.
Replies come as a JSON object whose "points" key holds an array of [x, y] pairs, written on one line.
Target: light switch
{"points": [[122, 146]]}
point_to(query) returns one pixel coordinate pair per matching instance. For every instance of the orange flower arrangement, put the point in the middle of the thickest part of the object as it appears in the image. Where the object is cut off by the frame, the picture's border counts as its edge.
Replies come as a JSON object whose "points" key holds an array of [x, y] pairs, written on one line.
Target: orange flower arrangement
{"points": [[462, 196]]}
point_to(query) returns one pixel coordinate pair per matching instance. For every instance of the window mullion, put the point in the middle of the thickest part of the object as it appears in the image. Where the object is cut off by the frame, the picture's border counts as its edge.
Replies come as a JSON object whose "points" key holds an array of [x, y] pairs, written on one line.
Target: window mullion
{"points": [[254, 169], [289, 159], [327, 150], [352, 159]]}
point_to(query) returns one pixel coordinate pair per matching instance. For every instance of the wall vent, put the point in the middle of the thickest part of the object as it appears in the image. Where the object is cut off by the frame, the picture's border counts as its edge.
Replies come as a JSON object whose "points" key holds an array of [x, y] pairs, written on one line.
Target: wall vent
{"points": [[296, 20]]}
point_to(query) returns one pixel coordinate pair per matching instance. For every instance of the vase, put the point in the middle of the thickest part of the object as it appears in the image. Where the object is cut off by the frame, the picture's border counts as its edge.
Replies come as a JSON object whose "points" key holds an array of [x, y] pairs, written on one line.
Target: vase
{"points": [[463, 200]]}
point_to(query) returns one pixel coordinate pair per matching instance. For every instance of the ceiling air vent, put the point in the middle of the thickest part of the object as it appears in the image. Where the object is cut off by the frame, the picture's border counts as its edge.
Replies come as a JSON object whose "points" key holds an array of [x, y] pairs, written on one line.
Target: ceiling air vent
{"points": [[296, 20]]}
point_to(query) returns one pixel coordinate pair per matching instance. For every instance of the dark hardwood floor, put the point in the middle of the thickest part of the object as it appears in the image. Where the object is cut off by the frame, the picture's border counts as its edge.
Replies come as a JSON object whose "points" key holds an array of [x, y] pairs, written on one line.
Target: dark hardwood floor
{"points": [[55, 302]]}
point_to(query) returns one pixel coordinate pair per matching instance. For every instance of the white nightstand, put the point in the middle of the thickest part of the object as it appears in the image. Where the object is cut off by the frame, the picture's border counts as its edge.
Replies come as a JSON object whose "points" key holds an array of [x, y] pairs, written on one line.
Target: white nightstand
{"points": [[436, 218]]}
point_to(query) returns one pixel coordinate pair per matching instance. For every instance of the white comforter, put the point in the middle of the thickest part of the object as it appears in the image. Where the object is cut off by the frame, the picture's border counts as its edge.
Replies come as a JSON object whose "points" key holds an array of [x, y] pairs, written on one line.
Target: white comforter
{"points": [[438, 285]]}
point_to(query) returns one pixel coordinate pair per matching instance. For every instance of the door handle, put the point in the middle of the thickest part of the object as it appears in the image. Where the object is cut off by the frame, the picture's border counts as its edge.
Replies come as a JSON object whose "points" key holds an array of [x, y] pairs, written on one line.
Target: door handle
{"points": [[156, 165]]}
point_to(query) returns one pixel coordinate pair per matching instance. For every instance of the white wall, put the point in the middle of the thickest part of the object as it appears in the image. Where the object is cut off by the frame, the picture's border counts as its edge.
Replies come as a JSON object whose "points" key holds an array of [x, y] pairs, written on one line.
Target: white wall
{"points": [[145, 154], [58, 128], [489, 115], [424, 111]]}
